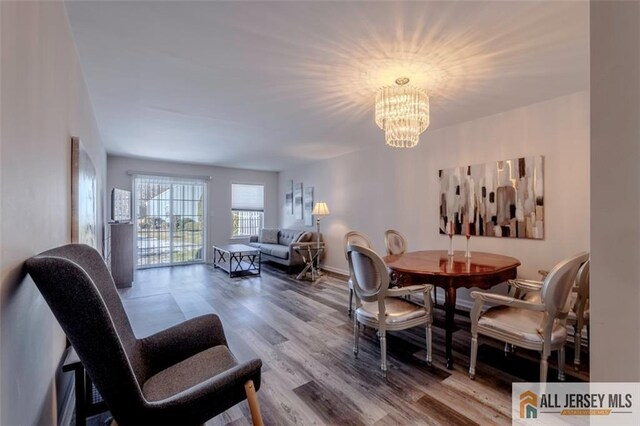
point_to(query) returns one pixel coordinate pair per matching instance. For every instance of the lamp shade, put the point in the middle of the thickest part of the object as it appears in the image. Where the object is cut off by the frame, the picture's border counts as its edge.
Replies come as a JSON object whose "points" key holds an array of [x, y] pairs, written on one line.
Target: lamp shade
{"points": [[320, 209]]}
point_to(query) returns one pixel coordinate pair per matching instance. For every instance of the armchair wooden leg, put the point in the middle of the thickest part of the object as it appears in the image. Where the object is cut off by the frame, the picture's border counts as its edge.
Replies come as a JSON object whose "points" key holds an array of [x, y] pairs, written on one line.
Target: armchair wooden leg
{"points": [[561, 356], [544, 365], [577, 338], [383, 352], [429, 344], [254, 407], [474, 356], [356, 331], [350, 302]]}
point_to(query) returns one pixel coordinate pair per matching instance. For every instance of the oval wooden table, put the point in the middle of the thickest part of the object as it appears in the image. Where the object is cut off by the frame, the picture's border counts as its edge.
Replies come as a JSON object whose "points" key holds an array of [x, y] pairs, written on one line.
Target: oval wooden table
{"points": [[482, 270]]}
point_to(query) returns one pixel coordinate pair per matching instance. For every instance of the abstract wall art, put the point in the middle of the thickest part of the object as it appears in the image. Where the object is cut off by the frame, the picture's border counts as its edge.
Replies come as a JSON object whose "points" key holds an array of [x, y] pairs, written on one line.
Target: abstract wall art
{"points": [[497, 199], [288, 198], [297, 201], [308, 205], [84, 196]]}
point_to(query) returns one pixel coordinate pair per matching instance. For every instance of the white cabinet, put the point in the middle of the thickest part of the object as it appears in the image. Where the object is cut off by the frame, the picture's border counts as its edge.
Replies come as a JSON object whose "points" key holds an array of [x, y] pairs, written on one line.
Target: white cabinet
{"points": [[120, 256]]}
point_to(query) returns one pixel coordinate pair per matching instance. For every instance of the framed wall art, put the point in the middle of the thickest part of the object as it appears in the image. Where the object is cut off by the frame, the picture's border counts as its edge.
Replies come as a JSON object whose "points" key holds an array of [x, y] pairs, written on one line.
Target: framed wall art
{"points": [[288, 198], [84, 196], [308, 205], [497, 199], [297, 201]]}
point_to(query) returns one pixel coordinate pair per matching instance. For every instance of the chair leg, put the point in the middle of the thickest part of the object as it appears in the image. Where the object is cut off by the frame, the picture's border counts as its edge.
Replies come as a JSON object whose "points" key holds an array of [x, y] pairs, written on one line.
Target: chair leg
{"points": [[577, 338], [383, 353], [350, 302], [561, 364], [429, 340], [254, 407], [474, 355], [544, 365], [507, 349], [356, 335]]}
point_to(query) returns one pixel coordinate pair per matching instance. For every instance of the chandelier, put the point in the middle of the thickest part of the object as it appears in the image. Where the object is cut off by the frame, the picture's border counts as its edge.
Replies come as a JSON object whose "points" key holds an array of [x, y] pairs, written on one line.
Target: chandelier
{"points": [[403, 113]]}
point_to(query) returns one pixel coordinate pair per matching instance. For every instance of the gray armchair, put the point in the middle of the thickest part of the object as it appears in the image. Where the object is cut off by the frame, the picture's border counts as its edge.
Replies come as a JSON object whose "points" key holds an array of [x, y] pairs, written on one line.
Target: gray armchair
{"points": [[382, 308], [528, 324], [182, 375], [578, 316]]}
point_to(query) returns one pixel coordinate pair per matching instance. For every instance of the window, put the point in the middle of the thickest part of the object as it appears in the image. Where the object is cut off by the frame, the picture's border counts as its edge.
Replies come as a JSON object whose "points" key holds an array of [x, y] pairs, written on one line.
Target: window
{"points": [[247, 209], [169, 220]]}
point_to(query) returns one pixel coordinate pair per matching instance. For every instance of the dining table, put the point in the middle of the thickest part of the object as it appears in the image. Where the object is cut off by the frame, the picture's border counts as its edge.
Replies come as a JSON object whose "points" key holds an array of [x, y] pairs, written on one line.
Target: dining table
{"points": [[451, 272]]}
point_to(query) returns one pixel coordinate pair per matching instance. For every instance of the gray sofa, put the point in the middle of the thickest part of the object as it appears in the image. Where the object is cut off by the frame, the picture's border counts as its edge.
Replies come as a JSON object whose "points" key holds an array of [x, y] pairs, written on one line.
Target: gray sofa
{"points": [[279, 249]]}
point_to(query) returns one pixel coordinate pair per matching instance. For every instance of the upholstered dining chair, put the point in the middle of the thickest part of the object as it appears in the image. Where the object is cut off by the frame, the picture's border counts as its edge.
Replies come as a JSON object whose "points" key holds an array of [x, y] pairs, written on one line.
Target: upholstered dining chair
{"points": [[578, 315], [182, 375], [528, 324], [382, 308], [395, 242], [361, 239]]}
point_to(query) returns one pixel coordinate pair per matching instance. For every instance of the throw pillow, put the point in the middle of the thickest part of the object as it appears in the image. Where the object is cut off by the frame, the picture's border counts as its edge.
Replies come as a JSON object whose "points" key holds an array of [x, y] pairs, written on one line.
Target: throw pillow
{"points": [[305, 237], [268, 236]]}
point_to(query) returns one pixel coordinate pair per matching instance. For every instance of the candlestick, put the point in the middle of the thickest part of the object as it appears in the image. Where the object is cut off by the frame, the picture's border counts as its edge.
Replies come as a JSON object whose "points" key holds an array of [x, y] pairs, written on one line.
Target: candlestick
{"points": [[467, 254], [450, 253]]}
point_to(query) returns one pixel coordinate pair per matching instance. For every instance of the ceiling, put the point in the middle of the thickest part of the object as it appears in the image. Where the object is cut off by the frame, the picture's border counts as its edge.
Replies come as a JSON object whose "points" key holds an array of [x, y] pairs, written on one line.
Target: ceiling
{"points": [[272, 85]]}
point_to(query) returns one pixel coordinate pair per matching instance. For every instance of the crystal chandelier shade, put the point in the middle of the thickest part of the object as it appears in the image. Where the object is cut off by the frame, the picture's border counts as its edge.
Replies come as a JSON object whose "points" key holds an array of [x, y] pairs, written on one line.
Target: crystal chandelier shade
{"points": [[403, 113]]}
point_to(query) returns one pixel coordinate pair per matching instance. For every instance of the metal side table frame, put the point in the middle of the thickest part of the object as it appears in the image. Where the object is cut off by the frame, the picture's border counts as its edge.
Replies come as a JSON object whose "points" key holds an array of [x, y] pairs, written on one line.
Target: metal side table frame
{"points": [[310, 253]]}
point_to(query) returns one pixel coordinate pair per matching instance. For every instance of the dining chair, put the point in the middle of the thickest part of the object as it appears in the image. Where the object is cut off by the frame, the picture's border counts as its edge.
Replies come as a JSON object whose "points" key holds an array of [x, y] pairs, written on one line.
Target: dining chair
{"points": [[529, 324], [395, 242], [182, 375], [578, 315], [381, 307], [361, 239]]}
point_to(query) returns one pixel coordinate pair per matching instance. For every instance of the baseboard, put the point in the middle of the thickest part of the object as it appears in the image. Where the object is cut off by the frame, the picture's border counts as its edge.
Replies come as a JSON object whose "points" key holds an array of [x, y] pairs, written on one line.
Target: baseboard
{"points": [[335, 270]]}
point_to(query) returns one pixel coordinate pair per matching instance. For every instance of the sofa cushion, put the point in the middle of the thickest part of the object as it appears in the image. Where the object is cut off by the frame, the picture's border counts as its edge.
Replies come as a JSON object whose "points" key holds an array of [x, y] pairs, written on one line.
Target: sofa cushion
{"points": [[193, 371], [280, 251], [288, 236], [268, 236]]}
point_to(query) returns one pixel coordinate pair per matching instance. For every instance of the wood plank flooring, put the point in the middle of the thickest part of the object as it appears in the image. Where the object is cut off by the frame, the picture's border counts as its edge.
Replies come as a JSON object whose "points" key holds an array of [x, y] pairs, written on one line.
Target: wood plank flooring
{"points": [[305, 338]]}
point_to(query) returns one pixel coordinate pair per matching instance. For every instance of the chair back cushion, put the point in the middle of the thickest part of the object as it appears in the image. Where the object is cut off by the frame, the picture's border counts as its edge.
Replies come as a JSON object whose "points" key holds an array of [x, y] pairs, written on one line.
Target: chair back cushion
{"points": [[355, 237], [80, 291], [368, 273], [557, 285], [582, 280], [306, 237], [395, 242], [268, 236]]}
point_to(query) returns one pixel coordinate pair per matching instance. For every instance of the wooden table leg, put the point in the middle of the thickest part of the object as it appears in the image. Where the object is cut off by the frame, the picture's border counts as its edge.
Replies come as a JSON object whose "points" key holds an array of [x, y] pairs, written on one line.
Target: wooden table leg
{"points": [[450, 310]]}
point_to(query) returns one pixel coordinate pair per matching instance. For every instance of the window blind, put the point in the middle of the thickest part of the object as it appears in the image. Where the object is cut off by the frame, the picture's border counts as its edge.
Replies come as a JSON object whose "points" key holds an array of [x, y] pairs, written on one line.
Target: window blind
{"points": [[247, 197]]}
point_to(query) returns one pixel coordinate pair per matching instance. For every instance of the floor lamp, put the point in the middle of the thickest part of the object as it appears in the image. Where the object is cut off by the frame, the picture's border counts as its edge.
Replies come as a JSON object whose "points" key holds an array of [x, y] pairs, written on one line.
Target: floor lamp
{"points": [[319, 210]]}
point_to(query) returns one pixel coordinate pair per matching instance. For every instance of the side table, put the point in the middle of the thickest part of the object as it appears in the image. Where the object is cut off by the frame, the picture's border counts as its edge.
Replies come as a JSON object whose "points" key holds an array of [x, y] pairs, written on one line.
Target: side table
{"points": [[310, 253]]}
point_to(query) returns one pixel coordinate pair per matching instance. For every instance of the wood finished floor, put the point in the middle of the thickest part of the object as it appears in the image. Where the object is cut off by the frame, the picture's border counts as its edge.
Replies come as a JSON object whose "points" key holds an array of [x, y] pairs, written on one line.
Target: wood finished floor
{"points": [[303, 335]]}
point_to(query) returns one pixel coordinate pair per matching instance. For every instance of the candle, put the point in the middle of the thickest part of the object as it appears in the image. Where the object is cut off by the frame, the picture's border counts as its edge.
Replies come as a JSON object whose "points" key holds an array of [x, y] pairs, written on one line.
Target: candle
{"points": [[450, 227], [467, 229]]}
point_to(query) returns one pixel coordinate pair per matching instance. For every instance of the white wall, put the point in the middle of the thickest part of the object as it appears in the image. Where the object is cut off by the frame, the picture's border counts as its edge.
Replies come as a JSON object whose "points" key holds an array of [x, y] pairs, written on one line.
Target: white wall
{"points": [[219, 224], [615, 191], [381, 188], [44, 102]]}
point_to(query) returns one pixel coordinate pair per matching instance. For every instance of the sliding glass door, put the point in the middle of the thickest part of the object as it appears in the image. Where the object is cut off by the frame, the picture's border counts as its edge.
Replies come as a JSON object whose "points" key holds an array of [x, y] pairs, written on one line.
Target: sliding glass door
{"points": [[170, 220]]}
